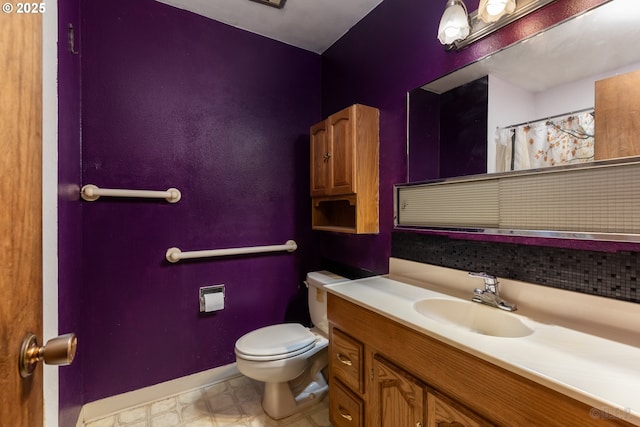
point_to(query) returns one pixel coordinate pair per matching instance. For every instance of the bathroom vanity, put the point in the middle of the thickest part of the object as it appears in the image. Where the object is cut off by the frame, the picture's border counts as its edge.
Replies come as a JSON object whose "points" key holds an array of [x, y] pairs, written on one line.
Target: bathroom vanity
{"points": [[398, 358]]}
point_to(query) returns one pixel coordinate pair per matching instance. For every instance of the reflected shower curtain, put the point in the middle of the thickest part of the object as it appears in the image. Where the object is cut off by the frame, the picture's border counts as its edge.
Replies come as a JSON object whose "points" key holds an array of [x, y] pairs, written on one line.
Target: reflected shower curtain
{"points": [[541, 144]]}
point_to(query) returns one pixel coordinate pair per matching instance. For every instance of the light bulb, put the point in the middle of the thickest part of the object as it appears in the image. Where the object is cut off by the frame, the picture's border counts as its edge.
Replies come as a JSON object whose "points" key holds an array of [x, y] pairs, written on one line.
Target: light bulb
{"points": [[451, 32], [496, 7], [492, 10], [454, 24]]}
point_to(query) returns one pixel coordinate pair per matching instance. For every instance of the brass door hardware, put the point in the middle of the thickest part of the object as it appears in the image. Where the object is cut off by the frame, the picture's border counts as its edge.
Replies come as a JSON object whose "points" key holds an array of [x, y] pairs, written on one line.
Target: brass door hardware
{"points": [[57, 351]]}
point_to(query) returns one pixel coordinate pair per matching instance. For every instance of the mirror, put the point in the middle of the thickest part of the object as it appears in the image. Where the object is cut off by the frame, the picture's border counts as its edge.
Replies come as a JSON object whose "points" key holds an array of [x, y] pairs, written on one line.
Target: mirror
{"points": [[547, 75]]}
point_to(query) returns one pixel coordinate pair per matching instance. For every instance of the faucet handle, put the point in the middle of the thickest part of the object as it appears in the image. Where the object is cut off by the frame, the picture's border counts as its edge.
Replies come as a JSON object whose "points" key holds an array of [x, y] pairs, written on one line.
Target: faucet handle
{"points": [[490, 294], [482, 275], [489, 279]]}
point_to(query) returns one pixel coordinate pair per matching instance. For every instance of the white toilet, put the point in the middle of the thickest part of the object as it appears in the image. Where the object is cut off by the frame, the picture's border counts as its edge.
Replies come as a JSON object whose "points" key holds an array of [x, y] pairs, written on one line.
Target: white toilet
{"points": [[290, 358]]}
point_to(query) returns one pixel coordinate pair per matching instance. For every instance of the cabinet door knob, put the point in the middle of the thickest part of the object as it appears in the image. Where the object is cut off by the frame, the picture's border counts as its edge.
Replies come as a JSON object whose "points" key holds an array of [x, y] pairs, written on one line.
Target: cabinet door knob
{"points": [[326, 156], [344, 414], [344, 359]]}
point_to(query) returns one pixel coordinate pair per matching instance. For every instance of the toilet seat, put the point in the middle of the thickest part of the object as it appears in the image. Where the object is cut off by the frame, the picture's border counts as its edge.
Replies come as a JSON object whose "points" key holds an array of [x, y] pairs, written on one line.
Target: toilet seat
{"points": [[275, 342]]}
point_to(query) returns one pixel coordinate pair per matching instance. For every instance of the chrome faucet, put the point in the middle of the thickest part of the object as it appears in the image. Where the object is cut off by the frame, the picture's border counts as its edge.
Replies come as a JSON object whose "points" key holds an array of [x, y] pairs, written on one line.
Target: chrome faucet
{"points": [[490, 295]]}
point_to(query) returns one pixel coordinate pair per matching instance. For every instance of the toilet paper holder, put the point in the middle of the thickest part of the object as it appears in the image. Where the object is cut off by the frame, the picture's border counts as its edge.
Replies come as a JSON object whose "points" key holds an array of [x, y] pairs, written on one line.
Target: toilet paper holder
{"points": [[211, 291]]}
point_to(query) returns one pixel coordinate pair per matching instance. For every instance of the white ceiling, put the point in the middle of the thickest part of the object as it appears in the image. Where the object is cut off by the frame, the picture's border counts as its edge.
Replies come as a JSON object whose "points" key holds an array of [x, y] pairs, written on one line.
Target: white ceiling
{"points": [[312, 25]]}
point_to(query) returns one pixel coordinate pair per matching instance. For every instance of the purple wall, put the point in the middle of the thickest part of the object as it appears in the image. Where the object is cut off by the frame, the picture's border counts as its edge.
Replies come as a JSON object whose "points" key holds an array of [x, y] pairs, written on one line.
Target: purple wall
{"points": [[171, 99], [463, 126], [424, 130], [391, 51], [459, 117], [70, 289]]}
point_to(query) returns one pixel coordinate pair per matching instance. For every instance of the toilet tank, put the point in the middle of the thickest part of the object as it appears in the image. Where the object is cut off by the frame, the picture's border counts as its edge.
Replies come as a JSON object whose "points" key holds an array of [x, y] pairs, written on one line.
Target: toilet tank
{"points": [[316, 280]]}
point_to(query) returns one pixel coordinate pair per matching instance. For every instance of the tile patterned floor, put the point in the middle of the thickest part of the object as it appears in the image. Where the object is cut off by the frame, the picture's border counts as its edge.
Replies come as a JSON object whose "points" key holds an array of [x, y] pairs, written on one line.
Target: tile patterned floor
{"points": [[233, 403]]}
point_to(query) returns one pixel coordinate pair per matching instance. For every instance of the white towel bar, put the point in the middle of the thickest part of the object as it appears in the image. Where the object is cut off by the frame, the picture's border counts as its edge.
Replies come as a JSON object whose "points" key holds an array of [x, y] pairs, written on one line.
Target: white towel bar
{"points": [[175, 254], [91, 193]]}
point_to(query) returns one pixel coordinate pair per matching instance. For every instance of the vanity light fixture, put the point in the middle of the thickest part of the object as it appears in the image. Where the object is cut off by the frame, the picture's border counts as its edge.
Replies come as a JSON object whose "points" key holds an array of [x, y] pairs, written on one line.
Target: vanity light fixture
{"points": [[487, 19], [275, 3], [493, 10], [454, 24]]}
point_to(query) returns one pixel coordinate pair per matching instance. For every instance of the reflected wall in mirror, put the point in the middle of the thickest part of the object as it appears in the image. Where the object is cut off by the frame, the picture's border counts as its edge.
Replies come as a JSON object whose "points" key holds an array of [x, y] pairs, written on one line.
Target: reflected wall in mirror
{"points": [[551, 75]]}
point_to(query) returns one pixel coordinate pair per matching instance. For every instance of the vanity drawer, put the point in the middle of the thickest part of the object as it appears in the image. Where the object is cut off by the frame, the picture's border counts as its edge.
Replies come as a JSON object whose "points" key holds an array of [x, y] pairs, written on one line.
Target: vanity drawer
{"points": [[345, 409], [346, 360]]}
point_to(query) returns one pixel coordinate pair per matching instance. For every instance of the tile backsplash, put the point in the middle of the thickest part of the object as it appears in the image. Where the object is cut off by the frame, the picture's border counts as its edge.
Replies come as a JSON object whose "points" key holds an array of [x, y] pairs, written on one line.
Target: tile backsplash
{"points": [[611, 275]]}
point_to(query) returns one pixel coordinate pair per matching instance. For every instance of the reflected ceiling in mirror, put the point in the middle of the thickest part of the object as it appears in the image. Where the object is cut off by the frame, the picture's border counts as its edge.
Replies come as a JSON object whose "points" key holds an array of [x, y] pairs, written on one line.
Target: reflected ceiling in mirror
{"points": [[598, 43]]}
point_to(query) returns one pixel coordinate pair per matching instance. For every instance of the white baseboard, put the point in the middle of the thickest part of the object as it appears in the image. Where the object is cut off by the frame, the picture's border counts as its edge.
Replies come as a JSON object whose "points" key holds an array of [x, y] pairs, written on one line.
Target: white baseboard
{"points": [[107, 406]]}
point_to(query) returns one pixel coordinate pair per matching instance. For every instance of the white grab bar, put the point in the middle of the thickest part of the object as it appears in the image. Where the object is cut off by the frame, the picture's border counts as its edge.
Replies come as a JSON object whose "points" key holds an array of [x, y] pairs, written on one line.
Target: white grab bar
{"points": [[175, 254], [91, 193]]}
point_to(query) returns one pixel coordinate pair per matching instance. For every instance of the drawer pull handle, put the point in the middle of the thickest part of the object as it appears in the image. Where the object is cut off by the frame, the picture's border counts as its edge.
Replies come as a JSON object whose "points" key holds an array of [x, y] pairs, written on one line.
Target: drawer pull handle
{"points": [[344, 359], [344, 414]]}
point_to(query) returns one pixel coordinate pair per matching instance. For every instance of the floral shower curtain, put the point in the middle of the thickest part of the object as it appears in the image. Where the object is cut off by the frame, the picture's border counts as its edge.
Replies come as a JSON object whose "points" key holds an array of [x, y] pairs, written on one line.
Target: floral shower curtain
{"points": [[562, 141]]}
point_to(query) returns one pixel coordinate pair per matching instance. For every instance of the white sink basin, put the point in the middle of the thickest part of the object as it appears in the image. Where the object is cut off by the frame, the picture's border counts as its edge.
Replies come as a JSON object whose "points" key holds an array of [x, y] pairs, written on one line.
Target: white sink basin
{"points": [[473, 317]]}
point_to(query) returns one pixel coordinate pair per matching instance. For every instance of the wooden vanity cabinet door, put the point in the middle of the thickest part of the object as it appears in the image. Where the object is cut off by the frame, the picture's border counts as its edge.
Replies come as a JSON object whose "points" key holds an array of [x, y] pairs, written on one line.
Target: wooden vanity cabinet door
{"points": [[446, 413], [398, 398]]}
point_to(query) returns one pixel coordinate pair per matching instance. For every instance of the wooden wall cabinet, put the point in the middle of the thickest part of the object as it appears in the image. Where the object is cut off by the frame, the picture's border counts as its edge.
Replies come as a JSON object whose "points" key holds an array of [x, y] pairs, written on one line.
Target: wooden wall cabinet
{"points": [[383, 374], [344, 171]]}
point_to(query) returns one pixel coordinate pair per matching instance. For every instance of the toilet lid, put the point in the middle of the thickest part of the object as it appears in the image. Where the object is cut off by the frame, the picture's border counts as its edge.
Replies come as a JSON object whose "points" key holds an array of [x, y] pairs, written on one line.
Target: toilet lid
{"points": [[276, 340]]}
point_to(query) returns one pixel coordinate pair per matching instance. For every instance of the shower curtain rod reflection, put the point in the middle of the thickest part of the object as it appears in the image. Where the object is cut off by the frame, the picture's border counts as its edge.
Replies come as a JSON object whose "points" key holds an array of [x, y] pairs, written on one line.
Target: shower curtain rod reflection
{"points": [[175, 254], [584, 110]]}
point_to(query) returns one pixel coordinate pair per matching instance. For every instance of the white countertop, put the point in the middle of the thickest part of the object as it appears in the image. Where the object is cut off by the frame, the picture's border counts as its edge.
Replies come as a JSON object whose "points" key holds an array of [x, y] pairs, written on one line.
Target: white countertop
{"points": [[602, 373]]}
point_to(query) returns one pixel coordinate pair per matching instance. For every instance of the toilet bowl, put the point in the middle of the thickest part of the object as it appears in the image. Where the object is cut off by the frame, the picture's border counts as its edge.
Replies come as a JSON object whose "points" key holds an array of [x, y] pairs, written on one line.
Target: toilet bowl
{"points": [[290, 358]]}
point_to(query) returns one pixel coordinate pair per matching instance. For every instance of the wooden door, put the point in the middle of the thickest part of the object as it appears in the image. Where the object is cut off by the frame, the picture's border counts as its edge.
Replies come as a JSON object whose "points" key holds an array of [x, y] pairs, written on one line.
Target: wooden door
{"points": [[20, 212], [617, 117], [399, 399], [319, 160], [342, 135]]}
